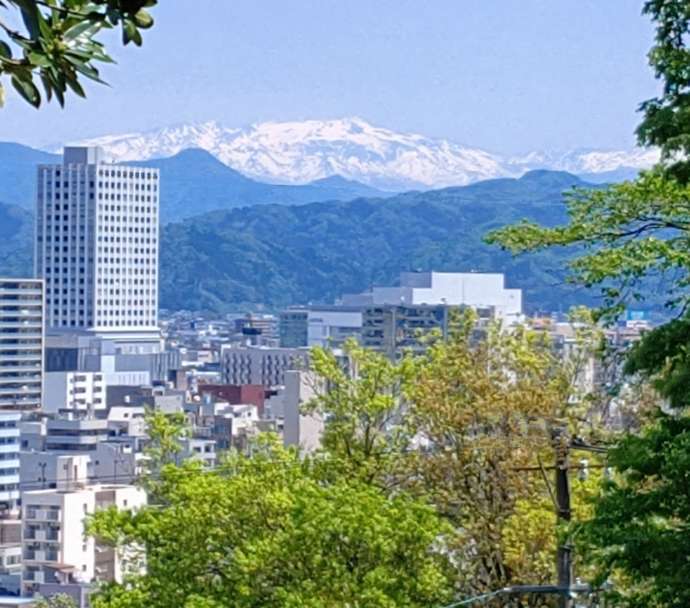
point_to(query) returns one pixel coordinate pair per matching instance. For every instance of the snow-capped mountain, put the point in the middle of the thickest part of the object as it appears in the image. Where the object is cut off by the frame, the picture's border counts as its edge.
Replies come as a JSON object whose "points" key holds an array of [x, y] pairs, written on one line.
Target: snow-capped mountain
{"points": [[300, 152]]}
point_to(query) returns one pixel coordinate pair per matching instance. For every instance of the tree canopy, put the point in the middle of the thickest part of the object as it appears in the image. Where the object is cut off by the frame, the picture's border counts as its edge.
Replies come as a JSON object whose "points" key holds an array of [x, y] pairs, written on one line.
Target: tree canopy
{"points": [[58, 46], [632, 241], [266, 531]]}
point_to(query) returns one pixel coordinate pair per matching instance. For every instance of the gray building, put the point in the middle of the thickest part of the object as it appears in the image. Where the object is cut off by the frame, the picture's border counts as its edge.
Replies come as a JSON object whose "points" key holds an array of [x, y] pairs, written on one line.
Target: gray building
{"points": [[260, 365], [394, 330], [293, 324]]}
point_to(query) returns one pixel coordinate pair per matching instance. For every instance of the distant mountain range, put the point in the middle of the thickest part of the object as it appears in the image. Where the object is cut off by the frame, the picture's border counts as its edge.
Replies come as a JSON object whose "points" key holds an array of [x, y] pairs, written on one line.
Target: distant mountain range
{"points": [[301, 152], [230, 240], [192, 182], [281, 255], [277, 255]]}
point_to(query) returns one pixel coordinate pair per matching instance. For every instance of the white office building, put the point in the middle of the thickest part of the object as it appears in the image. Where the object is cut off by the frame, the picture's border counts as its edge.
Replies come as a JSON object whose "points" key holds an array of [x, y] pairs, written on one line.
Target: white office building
{"points": [[472, 289], [97, 245]]}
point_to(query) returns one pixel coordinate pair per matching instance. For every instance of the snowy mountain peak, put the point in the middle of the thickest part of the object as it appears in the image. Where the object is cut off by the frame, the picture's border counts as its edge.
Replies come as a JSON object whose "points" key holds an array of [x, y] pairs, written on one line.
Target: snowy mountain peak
{"points": [[351, 147]]}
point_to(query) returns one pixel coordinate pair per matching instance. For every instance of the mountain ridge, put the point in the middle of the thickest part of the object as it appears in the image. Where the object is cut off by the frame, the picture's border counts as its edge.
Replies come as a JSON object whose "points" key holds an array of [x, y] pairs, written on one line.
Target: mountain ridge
{"points": [[277, 255], [298, 152], [192, 181]]}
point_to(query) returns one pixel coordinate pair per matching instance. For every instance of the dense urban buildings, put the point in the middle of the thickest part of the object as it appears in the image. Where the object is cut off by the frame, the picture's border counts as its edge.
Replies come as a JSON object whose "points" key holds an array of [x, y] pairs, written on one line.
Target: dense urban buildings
{"points": [[82, 362]]}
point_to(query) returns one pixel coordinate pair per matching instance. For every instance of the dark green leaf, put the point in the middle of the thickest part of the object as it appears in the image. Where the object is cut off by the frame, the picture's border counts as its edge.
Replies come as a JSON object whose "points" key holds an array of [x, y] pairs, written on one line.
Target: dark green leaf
{"points": [[27, 89]]}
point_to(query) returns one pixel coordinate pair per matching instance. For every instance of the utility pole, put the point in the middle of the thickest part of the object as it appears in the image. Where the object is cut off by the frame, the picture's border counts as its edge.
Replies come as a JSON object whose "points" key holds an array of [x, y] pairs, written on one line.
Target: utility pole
{"points": [[564, 559]]}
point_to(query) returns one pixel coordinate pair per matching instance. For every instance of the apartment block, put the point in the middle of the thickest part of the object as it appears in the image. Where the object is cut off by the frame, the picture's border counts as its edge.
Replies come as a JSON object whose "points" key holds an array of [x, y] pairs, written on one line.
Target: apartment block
{"points": [[21, 375], [75, 391], [394, 330], [260, 365], [75, 434], [21, 344], [55, 549]]}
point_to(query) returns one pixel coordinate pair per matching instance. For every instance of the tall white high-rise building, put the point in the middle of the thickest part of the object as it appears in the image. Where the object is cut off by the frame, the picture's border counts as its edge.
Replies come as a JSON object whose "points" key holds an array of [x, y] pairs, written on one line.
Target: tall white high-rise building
{"points": [[97, 245]]}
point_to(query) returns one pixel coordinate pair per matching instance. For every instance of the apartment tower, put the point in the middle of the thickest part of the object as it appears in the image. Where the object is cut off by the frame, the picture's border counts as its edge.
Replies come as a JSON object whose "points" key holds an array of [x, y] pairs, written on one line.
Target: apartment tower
{"points": [[21, 375], [97, 246]]}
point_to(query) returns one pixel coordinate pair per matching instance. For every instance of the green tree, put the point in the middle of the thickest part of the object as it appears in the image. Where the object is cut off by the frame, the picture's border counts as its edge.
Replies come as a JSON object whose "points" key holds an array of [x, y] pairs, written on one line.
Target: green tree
{"points": [[264, 531], [639, 533], [60, 600], [58, 45], [484, 410], [628, 239], [362, 397], [165, 432], [456, 427]]}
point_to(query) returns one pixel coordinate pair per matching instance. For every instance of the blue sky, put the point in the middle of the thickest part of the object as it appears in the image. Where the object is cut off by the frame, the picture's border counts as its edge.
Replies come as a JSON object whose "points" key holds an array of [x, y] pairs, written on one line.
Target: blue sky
{"points": [[506, 75]]}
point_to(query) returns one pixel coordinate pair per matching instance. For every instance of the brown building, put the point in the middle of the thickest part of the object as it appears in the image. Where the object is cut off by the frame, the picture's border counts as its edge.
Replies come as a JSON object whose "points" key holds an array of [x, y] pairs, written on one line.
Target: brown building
{"points": [[253, 394]]}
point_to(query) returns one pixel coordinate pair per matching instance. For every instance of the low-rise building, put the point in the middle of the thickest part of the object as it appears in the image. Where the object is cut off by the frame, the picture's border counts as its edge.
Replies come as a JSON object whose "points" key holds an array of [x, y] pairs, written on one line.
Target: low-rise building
{"points": [[55, 549], [75, 434], [77, 391]]}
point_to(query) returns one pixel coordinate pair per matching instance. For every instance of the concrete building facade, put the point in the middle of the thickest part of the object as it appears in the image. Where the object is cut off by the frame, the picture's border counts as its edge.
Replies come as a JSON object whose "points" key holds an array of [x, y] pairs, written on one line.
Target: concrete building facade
{"points": [[54, 547], [76, 391], [97, 245], [260, 365], [473, 289]]}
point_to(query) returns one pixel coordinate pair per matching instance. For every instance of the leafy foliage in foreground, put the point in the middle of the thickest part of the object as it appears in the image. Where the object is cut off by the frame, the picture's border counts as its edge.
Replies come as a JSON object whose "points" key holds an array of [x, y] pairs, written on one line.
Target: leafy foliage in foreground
{"points": [[457, 427], [58, 46], [639, 533], [59, 600], [629, 232], [264, 531]]}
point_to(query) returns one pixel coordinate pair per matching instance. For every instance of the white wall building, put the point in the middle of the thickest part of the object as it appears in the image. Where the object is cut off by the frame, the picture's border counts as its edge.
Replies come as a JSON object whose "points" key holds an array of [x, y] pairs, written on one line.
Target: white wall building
{"points": [[79, 391], [330, 327], [54, 546], [300, 429], [97, 245], [473, 289]]}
